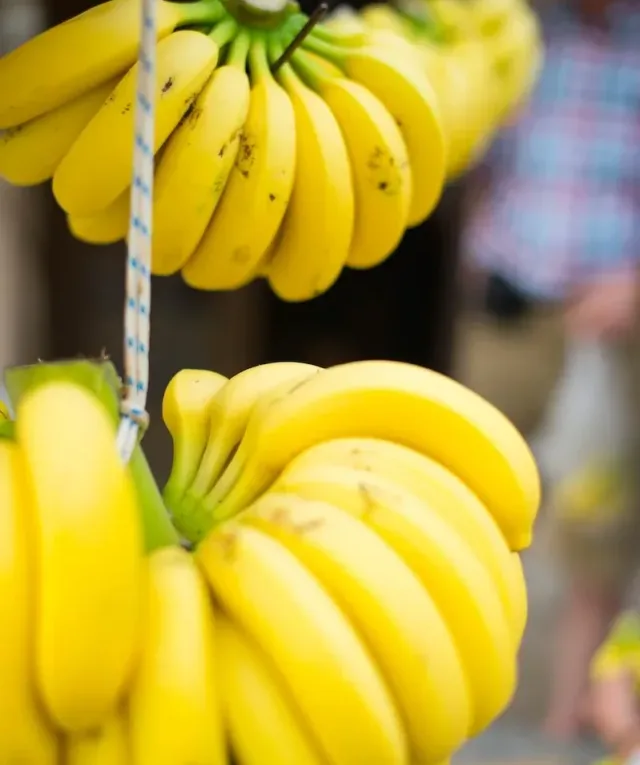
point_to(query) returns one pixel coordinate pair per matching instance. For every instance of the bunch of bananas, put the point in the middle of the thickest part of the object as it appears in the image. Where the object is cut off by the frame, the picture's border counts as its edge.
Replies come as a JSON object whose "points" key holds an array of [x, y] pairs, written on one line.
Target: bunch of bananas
{"points": [[284, 169], [355, 595], [482, 58]]}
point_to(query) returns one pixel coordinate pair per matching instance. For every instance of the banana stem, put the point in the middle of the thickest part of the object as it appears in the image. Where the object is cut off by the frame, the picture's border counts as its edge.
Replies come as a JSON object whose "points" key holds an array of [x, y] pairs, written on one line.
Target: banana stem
{"points": [[224, 32], [239, 50], [201, 12], [100, 378], [325, 49], [298, 40]]}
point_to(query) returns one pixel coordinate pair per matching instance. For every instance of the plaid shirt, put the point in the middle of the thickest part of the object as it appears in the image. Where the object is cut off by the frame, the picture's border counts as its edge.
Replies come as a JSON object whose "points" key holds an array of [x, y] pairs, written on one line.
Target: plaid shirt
{"points": [[563, 202]]}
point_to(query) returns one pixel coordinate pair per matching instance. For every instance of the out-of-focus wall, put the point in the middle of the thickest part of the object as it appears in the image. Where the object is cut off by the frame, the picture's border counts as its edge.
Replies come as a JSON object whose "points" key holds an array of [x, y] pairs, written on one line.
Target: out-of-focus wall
{"points": [[22, 335]]}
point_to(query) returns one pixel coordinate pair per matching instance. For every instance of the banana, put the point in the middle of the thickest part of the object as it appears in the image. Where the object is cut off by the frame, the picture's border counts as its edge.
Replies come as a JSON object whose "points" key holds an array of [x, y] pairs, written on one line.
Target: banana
{"points": [[444, 492], [174, 706], [406, 92], [72, 58], [228, 413], [519, 596], [365, 577], [446, 566], [313, 243], [106, 745], [258, 188], [108, 226], [197, 160], [379, 162], [98, 167], [88, 584], [413, 406], [185, 411], [30, 153], [471, 114], [262, 721], [334, 683], [516, 54], [24, 734]]}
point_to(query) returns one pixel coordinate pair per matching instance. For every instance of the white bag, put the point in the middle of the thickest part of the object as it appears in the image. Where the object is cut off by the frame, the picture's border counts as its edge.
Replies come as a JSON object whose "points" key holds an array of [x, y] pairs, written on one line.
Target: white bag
{"points": [[589, 418]]}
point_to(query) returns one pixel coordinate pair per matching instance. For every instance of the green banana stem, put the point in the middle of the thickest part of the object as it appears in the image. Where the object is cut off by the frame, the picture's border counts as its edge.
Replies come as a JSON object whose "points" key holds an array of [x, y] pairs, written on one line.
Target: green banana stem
{"points": [[309, 70], [224, 32], [239, 50], [100, 378], [332, 52], [201, 13]]}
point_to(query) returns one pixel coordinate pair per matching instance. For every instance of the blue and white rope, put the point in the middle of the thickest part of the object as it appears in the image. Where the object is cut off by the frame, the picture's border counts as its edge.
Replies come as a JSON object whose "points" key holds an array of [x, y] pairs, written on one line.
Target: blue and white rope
{"points": [[138, 276]]}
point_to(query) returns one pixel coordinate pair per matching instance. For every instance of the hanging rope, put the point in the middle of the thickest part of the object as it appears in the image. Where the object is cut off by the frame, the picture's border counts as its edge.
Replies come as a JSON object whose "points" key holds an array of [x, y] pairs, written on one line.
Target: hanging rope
{"points": [[138, 269]]}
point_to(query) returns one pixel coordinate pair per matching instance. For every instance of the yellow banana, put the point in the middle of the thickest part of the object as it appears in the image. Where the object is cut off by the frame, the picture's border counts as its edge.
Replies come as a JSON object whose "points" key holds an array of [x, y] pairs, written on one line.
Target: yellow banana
{"points": [[106, 745], [98, 167], [185, 411], [321, 660], [89, 573], [519, 597], [227, 415], [470, 111], [258, 188], [406, 92], [30, 153], [444, 492], [24, 734], [448, 569], [70, 59], [365, 577], [108, 226], [312, 245], [263, 723], [379, 162], [197, 159], [516, 54], [413, 406], [174, 712]]}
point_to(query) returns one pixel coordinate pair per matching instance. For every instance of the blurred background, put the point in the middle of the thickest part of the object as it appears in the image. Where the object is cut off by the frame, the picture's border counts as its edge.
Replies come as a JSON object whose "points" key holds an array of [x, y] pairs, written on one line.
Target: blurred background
{"points": [[60, 299]]}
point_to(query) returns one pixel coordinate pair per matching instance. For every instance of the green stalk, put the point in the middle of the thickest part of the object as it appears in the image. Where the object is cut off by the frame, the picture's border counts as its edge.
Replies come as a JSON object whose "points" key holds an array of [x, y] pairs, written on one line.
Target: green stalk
{"points": [[224, 32], [331, 52], [238, 51], [201, 13], [309, 70], [100, 378]]}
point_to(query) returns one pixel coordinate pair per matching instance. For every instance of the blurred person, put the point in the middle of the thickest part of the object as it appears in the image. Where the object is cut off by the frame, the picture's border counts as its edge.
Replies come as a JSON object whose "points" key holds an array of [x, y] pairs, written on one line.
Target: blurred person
{"points": [[552, 249]]}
